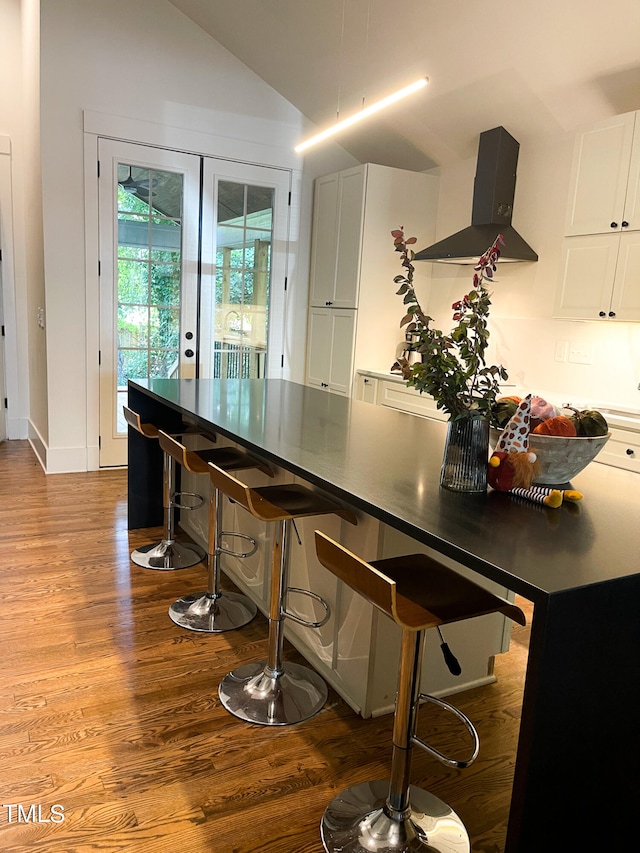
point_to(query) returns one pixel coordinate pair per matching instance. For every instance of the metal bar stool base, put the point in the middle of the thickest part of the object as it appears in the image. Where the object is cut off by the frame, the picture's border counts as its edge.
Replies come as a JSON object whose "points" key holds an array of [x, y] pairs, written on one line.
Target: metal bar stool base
{"points": [[296, 694], [356, 822], [212, 614], [167, 556]]}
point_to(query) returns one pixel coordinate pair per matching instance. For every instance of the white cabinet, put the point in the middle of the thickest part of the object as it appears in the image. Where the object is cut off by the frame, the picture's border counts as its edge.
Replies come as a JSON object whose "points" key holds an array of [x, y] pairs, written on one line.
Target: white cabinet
{"points": [[605, 180], [366, 388], [338, 215], [330, 348], [600, 278], [600, 269], [353, 264]]}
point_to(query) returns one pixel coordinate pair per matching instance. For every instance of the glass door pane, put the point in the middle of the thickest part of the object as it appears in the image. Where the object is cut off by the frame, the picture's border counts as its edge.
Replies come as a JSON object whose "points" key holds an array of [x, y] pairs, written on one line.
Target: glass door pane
{"points": [[242, 279], [149, 275], [245, 221]]}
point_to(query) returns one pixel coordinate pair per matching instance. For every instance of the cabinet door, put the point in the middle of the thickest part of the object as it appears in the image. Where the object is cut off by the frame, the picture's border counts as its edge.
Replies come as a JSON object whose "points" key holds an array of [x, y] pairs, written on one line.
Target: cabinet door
{"points": [[319, 345], [587, 273], [330, 349], [324, 240], [342, 351], [625, 303], [366, 389], [351, 216], [632, 201], [599, 177]]}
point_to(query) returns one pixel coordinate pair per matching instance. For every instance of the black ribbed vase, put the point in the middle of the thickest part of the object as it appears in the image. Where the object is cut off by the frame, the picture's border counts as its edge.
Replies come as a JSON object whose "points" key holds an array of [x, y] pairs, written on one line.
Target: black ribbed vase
{"points": [[466, 453]]}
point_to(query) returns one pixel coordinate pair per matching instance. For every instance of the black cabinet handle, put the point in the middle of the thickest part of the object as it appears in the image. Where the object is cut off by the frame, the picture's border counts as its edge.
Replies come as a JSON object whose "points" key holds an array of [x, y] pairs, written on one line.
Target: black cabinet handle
{"points": [[612, 313], [630, 451], [601, 314], [614, 224], [625, 224], [188, 353], [324, 384], [188, 335], [328, 303]]}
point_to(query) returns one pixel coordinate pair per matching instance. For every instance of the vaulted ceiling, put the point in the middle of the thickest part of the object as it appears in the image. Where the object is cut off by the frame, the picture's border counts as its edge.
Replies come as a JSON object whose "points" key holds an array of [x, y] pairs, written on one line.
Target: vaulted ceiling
{"points": [[537, 67]]}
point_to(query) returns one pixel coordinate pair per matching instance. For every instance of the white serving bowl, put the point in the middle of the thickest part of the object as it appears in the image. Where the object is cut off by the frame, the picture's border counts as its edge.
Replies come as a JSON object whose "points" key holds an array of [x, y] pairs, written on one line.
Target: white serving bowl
{"points": [[560, 458]]}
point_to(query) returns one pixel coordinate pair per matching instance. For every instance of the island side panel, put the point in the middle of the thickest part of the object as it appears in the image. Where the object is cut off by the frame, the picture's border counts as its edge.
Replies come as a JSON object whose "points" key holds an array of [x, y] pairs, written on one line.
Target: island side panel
{"points": [[576, 777], [144, 472]]}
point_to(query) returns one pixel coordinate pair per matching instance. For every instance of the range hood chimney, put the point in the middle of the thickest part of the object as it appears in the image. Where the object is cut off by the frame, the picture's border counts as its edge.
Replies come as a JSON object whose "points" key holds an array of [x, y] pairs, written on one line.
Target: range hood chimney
{"points": [[493, 193]]}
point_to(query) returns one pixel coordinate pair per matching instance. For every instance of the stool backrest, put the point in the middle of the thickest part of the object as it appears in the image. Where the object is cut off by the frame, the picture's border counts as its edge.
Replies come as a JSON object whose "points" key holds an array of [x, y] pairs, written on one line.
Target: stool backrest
{"points": [[187, 458], [133, 419], [361, 576], [249, 498]]}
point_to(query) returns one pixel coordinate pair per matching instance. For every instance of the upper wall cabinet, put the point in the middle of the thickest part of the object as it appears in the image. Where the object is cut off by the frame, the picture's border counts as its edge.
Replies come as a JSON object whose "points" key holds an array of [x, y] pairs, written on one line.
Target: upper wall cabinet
{"points": [[600, 278], [600, 271], [605, 180]]}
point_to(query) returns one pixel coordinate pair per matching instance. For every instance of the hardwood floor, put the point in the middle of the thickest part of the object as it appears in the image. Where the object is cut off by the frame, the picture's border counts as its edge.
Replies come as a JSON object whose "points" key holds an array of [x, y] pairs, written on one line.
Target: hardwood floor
{"points": [[110, 711]]}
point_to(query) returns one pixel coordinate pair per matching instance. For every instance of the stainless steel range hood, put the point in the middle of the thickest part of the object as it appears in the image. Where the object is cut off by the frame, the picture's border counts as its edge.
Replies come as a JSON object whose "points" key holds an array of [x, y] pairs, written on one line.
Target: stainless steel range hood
{"points": [[493, 193]]}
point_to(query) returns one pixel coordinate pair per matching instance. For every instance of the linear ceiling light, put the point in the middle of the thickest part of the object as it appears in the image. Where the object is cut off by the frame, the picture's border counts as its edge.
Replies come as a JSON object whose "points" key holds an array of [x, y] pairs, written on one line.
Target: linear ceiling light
{"points": [[363, 113]]}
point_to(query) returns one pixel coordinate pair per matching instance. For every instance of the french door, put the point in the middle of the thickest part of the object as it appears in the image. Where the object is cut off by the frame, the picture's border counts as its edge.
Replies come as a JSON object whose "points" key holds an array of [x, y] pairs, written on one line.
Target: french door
{"points": [[193, 261]]}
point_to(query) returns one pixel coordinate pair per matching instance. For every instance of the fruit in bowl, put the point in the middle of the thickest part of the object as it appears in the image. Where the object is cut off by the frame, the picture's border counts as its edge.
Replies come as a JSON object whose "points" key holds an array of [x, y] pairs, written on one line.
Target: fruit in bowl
{"points": [[564, 443]]}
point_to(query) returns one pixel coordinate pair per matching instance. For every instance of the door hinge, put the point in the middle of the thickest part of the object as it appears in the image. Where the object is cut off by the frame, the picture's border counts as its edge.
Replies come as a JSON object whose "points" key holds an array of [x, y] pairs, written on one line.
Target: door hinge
{"points": [[99, 268], [285, 282], [99, 358], [3, 331], [99, 442], [98, 168], [6, 403], [289, 202], [282, 361]]}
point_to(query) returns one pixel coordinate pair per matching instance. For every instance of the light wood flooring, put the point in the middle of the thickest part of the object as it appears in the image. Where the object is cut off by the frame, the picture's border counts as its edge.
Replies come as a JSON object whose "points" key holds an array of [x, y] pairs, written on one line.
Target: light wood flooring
{"points": [[111, 711]]}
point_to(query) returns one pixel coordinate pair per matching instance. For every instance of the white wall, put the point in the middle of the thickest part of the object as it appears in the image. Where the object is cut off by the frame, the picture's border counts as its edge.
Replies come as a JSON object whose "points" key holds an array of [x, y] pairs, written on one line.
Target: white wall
{"points": [[147, 63], [524, 333]]}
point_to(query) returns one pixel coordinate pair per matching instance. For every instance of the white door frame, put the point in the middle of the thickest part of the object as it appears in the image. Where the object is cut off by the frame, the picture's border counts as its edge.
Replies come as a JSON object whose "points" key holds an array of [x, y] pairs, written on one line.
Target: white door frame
{"points": [[177, 139]]}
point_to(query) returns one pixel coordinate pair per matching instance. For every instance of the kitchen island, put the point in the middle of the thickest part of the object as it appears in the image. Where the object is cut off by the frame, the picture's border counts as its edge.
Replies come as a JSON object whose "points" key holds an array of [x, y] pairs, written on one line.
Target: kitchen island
{"points": [[575, 783]]}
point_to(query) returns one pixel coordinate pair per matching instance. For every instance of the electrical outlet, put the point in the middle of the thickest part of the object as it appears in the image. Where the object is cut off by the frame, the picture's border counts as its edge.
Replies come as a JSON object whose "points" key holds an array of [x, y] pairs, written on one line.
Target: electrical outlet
{"points": [[562, 350], [581, 353]]}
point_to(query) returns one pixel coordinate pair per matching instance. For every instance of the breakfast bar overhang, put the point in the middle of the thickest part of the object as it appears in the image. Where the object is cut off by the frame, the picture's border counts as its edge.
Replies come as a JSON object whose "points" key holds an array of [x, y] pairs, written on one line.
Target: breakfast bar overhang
{"points": [[576, 783]]}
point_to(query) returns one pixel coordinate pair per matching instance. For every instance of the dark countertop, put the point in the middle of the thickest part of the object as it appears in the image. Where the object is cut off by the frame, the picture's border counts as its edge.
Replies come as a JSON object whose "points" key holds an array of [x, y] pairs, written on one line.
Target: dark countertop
{"points": [[387, 463]]}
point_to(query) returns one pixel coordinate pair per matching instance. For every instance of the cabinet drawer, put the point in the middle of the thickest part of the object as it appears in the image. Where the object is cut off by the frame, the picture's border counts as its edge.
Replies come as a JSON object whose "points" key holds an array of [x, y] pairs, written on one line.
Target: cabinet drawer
{"points": [[622, 451], [397, 396]]}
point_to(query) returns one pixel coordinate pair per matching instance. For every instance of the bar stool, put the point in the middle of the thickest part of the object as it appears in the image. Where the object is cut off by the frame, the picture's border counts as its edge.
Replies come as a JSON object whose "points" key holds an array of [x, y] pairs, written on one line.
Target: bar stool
{"points": [[214, 611], [167, 554], [418, 593], [274, 692]]}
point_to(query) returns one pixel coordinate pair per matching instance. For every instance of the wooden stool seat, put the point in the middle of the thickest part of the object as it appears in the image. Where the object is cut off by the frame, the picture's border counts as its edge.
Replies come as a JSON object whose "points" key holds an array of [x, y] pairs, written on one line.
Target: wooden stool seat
{"points": [[214, 611], [418, 593], [274, 692], [168, 554]]}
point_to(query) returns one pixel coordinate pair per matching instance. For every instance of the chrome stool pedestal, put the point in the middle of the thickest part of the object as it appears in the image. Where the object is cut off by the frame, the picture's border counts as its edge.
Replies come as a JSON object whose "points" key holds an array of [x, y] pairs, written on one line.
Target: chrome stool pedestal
{"points": [[168, 554], [274, 692], [393, 816], [214, 611]]}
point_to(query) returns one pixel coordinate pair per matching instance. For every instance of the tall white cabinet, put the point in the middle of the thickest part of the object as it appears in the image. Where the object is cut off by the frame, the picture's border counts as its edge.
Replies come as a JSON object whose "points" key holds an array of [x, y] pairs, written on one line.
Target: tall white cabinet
{"points": [[600, 267], [354, 313]]}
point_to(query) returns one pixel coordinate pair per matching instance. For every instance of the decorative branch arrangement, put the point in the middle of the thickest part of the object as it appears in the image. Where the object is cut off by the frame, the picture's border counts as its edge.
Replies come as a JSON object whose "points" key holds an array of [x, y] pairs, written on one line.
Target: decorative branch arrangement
{"points": [[453, 369]]}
